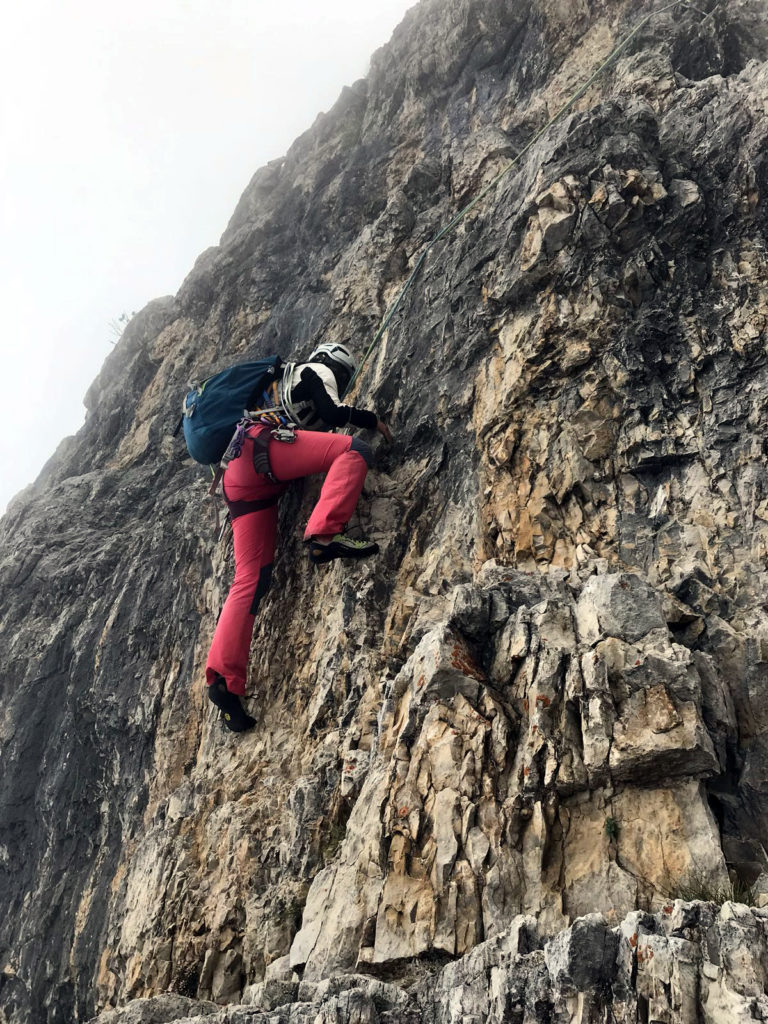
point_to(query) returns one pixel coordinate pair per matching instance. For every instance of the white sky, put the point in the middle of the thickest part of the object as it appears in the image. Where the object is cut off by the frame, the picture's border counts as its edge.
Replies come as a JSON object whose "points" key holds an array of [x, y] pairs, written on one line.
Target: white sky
{"points": [[128, 132]]}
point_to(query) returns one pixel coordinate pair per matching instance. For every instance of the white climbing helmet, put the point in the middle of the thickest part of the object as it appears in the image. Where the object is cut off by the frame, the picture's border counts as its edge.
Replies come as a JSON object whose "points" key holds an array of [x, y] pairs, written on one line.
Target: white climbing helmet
{"points": [[335, 353]]}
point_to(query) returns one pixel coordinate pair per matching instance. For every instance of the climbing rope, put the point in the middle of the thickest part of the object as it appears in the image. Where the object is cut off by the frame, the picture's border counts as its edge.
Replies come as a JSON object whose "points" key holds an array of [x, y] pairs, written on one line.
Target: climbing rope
{"points": [[492, 184]]}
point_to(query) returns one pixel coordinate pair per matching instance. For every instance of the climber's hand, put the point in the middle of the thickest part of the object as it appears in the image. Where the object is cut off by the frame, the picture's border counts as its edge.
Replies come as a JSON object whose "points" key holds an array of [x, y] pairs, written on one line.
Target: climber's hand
{"points": [[385, 432]]}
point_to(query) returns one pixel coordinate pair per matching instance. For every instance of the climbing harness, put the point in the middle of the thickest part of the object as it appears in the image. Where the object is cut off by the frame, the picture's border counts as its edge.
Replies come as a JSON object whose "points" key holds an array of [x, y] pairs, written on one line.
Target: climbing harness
{"points": [[259, 439], [505, 170]]}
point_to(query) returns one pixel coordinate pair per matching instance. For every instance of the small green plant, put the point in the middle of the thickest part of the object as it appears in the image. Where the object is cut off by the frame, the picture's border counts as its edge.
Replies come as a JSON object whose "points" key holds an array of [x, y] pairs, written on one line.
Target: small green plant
{"points": [[698, 886], [611, 828], [332, 841], [289, 909], [118, 324]]}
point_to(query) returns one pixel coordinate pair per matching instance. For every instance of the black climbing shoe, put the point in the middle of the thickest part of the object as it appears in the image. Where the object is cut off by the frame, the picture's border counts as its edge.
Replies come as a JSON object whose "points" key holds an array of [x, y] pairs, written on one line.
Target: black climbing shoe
{"points": [[341, 546], [232, 712]]}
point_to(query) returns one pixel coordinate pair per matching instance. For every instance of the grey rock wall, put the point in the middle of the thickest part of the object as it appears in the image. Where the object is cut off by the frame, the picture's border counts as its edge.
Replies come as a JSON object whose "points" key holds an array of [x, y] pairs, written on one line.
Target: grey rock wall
{"points": [[686, 963], [545, 699]]}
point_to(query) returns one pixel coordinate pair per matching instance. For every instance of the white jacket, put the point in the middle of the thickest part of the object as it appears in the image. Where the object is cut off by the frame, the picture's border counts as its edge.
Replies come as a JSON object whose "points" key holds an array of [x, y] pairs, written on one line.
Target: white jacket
{"points": [[304, 413]]}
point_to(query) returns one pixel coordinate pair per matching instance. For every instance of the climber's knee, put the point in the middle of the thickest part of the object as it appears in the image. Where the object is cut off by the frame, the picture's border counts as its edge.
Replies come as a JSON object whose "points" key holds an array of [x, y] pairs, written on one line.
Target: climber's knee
{"points": [[364, 449]]}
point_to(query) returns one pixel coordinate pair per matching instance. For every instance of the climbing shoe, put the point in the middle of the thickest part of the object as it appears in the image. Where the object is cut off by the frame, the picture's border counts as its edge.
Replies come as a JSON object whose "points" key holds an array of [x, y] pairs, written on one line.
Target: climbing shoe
{"points": [[340, 546], [233, 714]]}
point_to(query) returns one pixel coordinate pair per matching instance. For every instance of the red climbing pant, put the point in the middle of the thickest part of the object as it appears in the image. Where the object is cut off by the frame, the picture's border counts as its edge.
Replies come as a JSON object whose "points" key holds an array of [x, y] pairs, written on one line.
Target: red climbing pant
{"points": [[255, 529]]}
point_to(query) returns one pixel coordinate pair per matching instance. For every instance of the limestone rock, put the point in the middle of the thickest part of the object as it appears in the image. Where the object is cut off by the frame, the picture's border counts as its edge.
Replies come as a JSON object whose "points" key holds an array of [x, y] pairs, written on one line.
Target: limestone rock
{"points": [[159, 1010], [545, 700], [619, 605]]}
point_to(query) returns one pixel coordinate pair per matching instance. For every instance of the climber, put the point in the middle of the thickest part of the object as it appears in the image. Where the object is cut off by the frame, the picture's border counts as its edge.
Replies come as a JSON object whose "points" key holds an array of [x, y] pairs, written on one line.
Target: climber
{"points": [[309, 393]]}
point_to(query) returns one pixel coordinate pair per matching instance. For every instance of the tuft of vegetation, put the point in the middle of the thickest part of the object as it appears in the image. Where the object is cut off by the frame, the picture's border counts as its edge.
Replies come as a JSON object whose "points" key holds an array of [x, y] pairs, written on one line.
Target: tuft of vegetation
{"points": [[332, 840], [698, 886], [611, 828], [288, 911]]}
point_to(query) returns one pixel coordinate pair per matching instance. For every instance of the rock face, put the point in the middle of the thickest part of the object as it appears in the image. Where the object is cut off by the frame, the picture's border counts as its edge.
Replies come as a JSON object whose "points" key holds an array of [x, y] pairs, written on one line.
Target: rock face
{"points": [[687, 963], [487, 761]]}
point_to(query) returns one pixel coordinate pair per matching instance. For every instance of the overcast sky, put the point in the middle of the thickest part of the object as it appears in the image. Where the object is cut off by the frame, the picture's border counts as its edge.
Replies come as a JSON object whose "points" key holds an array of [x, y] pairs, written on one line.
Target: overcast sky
{"points": [[127, 134]]}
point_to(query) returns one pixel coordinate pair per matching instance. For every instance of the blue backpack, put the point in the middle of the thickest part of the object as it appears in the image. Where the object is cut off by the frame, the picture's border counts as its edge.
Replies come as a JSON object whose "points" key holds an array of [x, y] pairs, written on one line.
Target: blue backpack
{"points": [[214, 408]]}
